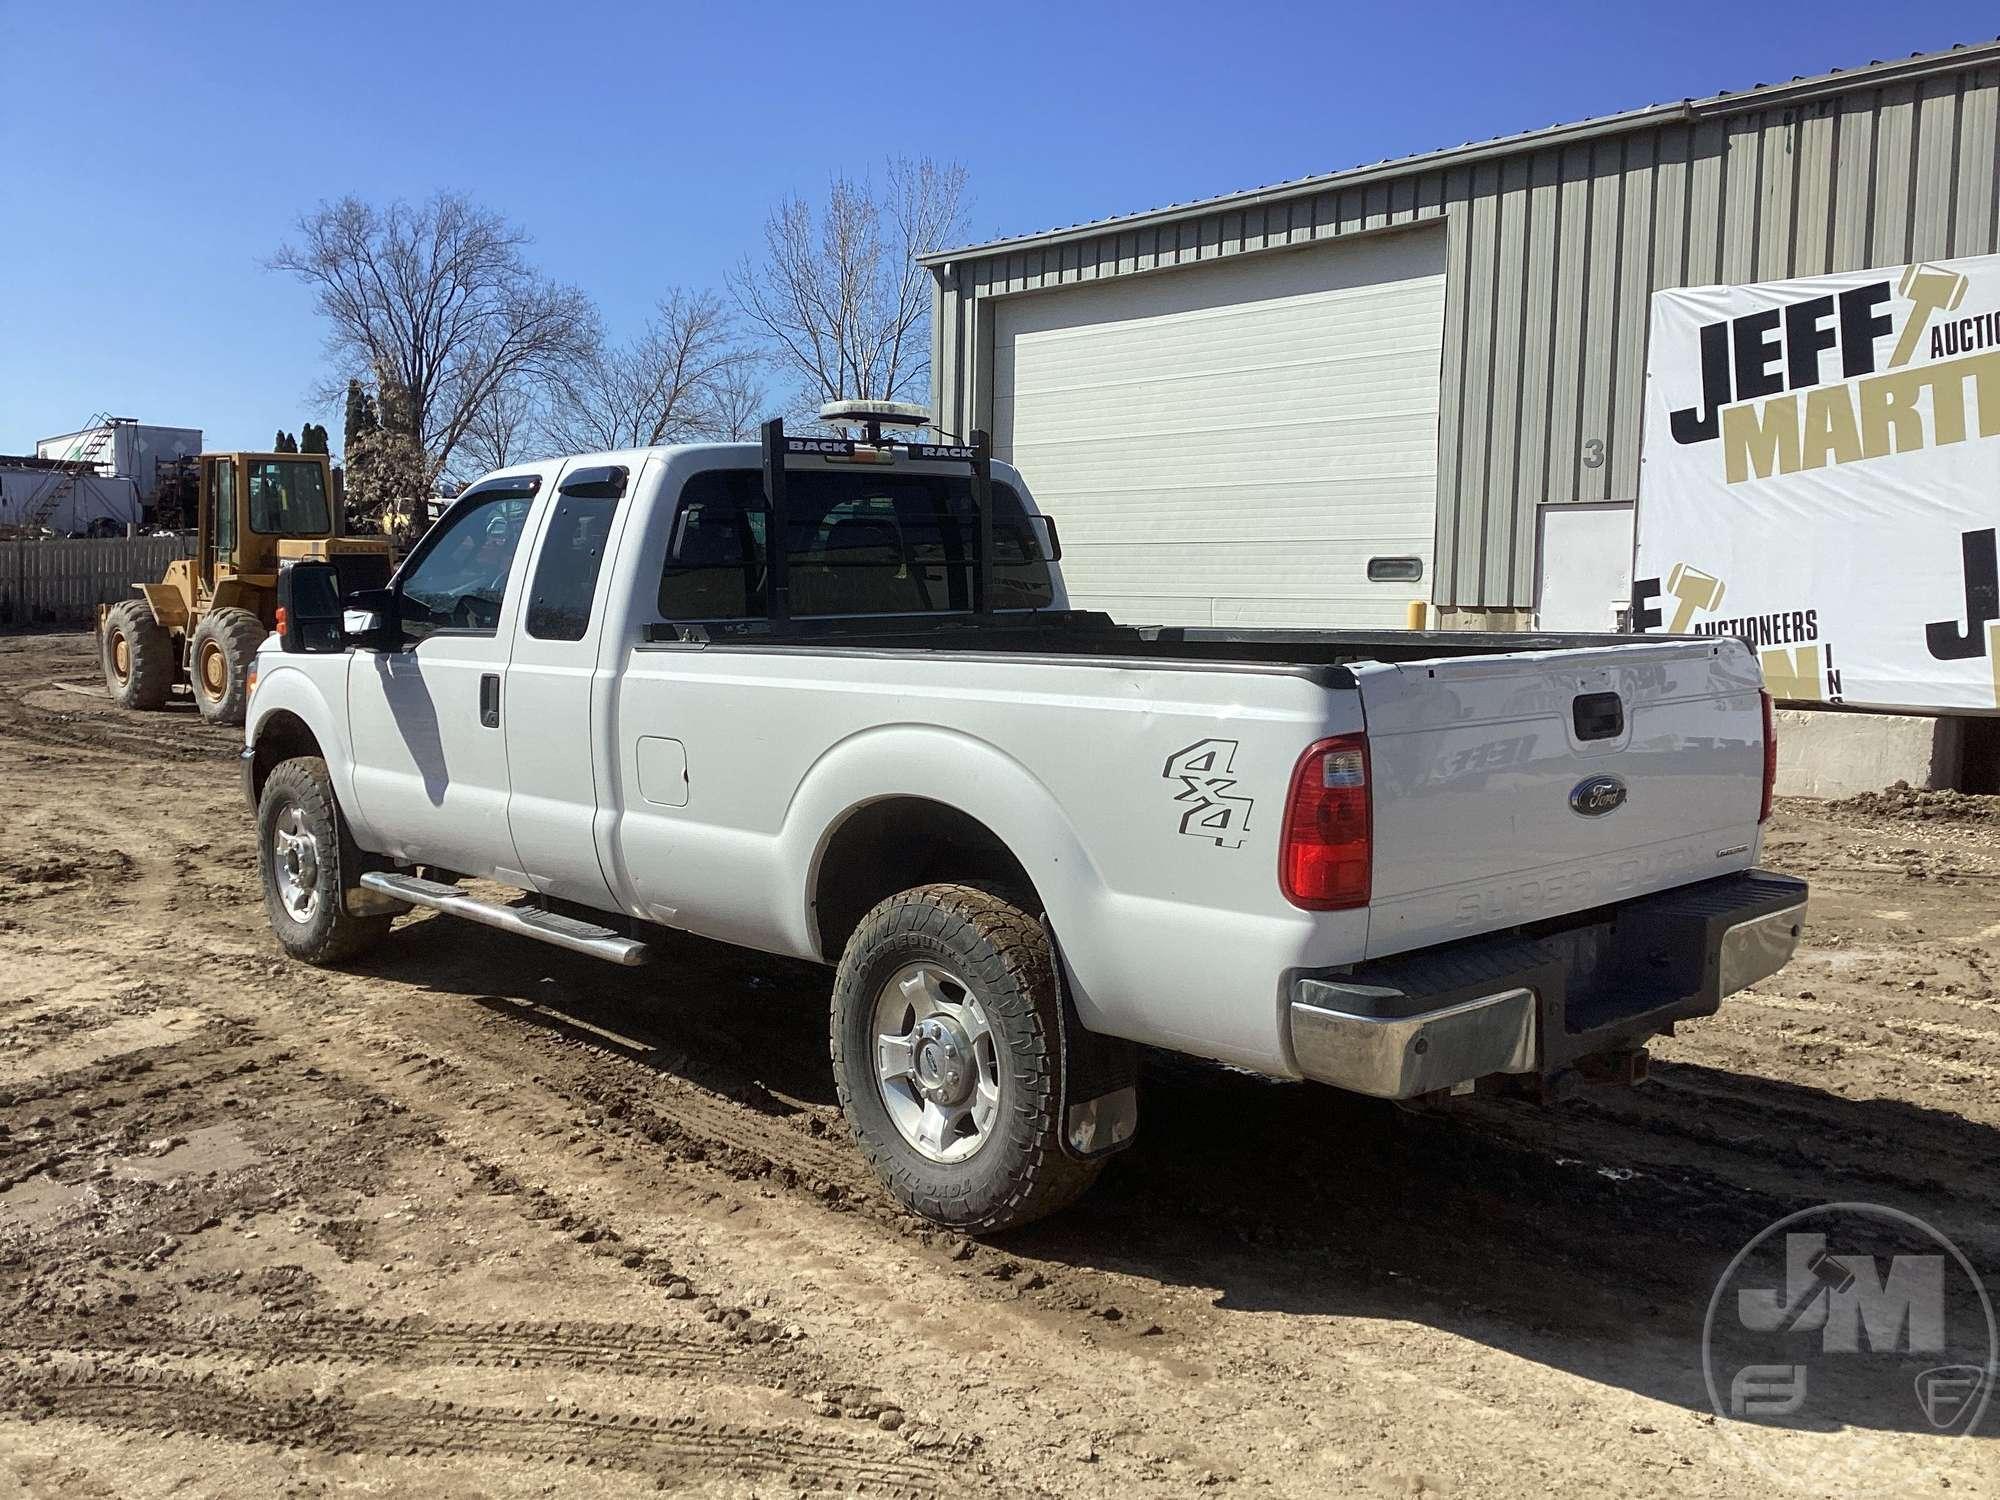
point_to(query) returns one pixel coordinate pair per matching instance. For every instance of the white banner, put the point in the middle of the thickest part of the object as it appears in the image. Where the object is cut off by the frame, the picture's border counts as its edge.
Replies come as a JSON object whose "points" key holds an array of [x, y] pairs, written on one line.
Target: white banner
{"points": [[1822, 478]]}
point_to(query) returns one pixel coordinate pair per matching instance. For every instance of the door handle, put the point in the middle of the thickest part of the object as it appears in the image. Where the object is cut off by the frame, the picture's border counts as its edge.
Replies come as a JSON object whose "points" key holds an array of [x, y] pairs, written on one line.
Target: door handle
{"points": [[489, 700]]}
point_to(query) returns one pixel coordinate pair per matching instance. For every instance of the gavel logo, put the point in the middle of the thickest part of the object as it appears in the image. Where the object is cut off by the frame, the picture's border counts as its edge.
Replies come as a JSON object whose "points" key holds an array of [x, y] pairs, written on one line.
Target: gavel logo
{"points": [[1695, 590], [1929, 291]]}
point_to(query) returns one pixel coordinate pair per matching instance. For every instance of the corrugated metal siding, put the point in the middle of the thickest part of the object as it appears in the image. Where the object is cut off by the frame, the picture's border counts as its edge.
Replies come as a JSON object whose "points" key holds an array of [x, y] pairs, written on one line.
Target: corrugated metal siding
{"points": [[1552, 256]]}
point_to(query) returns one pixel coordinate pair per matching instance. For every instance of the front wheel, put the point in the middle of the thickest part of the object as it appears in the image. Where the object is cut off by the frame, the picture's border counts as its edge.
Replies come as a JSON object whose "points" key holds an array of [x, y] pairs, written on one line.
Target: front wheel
{"points": [[946, 1033], [307, 861]]}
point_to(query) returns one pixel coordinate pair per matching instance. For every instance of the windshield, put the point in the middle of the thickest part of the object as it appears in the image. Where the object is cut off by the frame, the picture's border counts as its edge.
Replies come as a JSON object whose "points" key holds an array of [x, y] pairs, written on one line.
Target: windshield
{"points": [[288, 498]]}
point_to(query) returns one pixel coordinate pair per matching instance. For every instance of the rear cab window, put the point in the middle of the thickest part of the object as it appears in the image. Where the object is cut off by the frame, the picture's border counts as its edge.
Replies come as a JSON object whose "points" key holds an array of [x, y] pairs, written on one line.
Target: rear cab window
{"points": [[572, 553], [859, 543]]}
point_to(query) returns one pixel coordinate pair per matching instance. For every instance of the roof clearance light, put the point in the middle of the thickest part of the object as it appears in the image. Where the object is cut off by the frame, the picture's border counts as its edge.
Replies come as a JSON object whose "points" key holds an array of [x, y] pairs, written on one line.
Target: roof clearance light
{"points": [[872, 416], [875, 413]]}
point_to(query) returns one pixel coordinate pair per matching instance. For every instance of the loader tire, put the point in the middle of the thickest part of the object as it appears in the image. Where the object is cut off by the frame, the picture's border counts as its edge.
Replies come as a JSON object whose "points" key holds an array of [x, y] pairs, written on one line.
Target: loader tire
{"points": [[307, 860], [138, 656], [971, 1136], [219, 656]]}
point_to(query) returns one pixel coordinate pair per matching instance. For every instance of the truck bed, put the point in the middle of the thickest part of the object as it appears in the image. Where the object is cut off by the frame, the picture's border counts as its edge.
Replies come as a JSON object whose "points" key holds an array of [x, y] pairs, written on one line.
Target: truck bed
{"points": [[1090, 633]]}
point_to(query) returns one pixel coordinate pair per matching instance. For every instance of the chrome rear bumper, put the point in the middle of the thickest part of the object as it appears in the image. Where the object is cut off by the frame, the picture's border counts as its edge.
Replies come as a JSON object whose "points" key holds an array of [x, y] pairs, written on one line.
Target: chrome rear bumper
{"points": [[1420, 1054], [1758, 948], [1510, 1004]]}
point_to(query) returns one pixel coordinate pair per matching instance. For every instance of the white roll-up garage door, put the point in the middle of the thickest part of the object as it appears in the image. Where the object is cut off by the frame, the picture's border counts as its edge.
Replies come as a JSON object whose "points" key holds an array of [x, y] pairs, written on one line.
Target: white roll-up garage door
{"points": [[1232, 444]]}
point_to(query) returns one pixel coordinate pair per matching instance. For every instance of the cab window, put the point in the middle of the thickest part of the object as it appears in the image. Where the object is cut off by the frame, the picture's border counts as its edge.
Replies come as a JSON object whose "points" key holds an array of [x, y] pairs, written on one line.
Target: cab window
{"points": [[458, 580], [859, 544], [222, 490], [572, 554], [288, 498]]}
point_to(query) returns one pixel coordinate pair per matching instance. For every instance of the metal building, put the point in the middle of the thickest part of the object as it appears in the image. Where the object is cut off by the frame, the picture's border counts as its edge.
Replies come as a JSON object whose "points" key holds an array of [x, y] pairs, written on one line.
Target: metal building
{"points": [[1242, 408], [121, 448]]}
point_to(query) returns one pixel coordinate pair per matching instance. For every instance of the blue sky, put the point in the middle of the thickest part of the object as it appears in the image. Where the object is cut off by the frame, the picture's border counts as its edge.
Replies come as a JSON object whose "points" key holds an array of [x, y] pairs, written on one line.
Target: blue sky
{"points": [[157, 153]]}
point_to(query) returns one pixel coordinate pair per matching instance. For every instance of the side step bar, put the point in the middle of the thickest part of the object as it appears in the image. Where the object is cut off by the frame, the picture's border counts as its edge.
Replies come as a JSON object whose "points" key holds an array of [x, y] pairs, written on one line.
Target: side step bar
{"points": [[529, 921]]}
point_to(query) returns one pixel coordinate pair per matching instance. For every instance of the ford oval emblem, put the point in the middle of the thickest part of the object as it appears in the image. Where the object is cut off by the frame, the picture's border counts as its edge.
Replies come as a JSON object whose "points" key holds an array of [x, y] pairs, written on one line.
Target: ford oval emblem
{"points": [[1594, 796]]}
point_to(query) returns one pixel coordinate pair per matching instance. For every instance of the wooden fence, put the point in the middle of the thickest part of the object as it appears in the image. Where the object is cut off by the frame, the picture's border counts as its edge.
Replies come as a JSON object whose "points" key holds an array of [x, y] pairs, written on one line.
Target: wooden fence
{"points": [[62, 583]]}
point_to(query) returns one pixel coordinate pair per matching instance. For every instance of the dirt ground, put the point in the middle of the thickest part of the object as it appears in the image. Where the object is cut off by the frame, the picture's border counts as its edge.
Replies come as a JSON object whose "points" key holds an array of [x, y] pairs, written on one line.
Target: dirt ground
{"points": [[483, 1218]]}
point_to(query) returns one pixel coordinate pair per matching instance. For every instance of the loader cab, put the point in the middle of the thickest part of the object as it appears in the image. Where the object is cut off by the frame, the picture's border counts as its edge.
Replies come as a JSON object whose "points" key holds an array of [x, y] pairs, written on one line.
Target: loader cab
{"points": [[251, 502]]}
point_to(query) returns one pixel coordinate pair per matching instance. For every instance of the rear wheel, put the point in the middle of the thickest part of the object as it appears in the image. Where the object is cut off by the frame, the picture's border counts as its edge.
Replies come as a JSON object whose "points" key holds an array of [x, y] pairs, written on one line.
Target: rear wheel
{"points": [[307, 861], [947, 1053], [138, 656], [220, 652]]}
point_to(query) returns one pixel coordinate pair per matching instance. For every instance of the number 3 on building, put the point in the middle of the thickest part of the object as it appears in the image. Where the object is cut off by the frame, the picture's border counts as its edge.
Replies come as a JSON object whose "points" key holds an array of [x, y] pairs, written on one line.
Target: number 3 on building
{"points": [[1593, 453]]}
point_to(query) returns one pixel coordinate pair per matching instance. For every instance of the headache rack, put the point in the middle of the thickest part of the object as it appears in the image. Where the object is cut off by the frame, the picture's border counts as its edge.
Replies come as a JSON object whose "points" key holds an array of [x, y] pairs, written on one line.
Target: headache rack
{"points": [[779, 446]]}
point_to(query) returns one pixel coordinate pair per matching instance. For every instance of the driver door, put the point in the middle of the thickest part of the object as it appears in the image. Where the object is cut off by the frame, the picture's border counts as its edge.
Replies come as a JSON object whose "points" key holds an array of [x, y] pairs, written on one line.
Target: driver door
{"points": [[430, 760]]}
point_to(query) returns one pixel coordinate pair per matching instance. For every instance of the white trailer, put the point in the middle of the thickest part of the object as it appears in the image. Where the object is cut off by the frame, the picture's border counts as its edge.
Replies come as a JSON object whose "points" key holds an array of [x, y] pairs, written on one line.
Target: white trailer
{"points": [[134, 451], [94, 505]]}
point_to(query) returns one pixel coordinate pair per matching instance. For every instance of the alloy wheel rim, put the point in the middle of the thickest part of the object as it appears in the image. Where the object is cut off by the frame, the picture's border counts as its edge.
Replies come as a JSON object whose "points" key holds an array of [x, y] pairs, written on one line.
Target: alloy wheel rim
{"points": [[937, 1064], [295, 860]]}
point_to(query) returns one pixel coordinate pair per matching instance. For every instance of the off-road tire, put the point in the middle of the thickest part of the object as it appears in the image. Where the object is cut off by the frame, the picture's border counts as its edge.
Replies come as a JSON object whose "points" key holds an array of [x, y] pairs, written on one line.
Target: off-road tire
{"points": [[332, 934], [147, 653], [1005, 956], [219, 655]]}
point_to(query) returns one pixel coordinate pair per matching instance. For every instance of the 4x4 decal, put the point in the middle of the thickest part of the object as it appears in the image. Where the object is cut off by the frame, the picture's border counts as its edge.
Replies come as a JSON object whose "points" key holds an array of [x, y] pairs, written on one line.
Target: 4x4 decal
{"points": [[1214, 811]]}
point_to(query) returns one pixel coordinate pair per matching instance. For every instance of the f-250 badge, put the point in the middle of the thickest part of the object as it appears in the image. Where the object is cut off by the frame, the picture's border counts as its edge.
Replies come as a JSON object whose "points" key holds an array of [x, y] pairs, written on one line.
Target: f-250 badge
{"points": [[1213, 811]]}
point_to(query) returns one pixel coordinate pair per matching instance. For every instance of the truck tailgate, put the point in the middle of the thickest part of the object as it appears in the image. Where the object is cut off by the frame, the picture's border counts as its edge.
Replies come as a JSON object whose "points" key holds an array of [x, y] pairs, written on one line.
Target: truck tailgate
{"points": [[1516, 787]]}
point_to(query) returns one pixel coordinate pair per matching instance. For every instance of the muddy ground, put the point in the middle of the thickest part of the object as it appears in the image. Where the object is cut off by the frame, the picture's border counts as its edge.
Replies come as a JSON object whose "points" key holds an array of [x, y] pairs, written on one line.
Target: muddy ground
{"points": [[482, 1218]]}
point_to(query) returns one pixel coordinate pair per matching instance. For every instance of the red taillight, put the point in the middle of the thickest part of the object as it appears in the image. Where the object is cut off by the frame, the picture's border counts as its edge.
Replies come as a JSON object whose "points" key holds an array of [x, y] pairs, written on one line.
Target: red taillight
{"points": [[281, 622], [1770, 755], [1325, 855]]}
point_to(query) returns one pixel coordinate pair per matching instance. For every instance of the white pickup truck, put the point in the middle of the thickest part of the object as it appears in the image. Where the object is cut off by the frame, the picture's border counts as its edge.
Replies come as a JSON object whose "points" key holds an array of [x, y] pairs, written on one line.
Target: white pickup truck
{"points": [[1403, 863]]}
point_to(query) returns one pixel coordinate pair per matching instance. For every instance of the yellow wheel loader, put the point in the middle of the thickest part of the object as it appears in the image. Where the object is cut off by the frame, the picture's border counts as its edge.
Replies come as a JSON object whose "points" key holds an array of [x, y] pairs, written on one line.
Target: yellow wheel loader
{"points": [[203, 622]]}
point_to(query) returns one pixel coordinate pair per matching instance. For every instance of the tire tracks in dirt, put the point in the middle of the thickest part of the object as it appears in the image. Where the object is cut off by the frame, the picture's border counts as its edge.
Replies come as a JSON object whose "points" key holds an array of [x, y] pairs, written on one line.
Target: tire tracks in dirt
{"points": [[355, 1339], [130, 1398], [1411, 1306]]}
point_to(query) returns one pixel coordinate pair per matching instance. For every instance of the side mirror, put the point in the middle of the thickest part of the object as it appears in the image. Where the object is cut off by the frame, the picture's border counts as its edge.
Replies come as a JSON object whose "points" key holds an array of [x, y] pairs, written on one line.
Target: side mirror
{"points": [[309, 610]]}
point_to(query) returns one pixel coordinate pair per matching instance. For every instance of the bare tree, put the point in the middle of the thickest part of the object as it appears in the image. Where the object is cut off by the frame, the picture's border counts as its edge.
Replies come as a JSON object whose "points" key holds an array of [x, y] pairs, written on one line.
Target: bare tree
{"points": [[838, 297], [738, 403], [665, 386], [507, 429], [440, 295]]}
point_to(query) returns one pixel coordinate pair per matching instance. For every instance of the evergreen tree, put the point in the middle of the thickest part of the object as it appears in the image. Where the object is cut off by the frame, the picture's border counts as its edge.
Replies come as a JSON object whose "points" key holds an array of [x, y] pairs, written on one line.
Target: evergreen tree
{"points": [[313, 438], [285, 443], [388, 474], [358, 459], [361, 419]]}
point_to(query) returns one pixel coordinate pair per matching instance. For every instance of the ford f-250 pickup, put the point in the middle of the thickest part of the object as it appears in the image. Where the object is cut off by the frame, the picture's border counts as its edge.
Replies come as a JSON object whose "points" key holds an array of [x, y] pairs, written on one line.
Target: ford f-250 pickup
{"points": [[827, 698]]}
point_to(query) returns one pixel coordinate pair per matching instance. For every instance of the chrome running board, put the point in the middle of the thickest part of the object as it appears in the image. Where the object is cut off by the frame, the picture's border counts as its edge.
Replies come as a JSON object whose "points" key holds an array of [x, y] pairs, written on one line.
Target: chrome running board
{"points": [[528, 921]]}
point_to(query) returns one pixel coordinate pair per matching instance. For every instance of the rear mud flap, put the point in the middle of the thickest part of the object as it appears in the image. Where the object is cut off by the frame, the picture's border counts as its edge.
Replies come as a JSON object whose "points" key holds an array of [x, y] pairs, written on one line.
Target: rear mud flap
{"points": [[1100, 1074]]}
